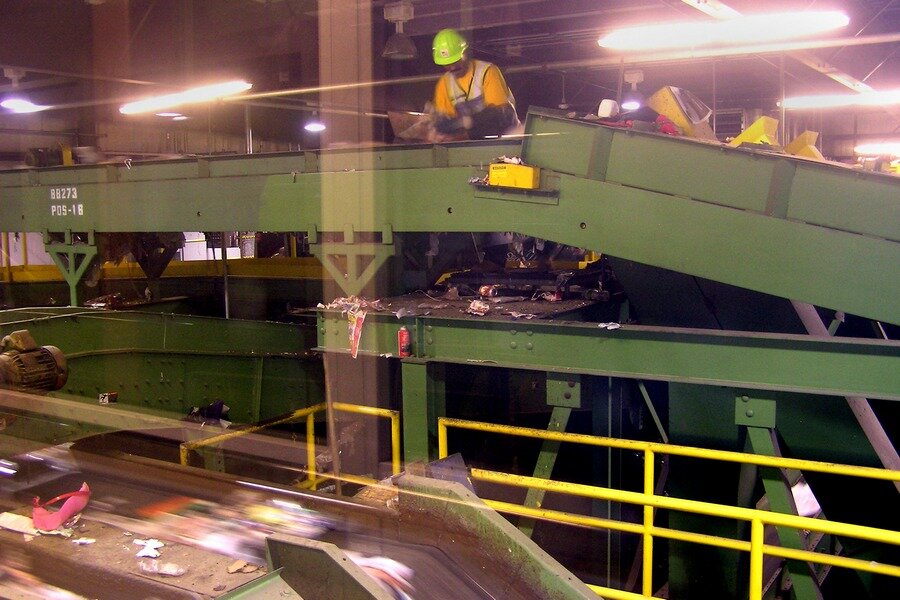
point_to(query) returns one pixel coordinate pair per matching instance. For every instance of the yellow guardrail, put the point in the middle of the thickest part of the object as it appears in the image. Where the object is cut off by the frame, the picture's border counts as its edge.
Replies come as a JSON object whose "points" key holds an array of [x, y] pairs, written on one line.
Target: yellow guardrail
{"points": [[650, 501], [309, 414]]}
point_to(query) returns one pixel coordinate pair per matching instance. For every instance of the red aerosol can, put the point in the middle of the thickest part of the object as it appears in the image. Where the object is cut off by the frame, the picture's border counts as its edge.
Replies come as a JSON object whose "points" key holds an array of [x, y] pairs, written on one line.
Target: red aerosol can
{"points": [[404, 343]]}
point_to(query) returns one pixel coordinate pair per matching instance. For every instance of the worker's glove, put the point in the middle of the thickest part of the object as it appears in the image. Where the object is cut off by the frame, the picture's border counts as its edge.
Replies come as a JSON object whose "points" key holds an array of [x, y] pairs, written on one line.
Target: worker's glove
{"points": [[466, 122], [449, 126]]}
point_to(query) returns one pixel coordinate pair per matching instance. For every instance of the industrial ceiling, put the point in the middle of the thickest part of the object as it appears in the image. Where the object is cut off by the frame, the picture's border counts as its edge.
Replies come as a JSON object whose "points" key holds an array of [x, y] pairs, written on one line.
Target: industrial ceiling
{"points": [[85, 56]]}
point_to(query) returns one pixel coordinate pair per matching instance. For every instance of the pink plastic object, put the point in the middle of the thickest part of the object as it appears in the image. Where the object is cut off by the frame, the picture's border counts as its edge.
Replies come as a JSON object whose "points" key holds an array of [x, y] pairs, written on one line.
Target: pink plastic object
{"points": [[75, 502]]}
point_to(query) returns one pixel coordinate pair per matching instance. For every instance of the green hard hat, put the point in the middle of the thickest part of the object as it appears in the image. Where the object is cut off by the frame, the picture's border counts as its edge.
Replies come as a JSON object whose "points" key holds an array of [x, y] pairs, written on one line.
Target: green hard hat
{"points": [[448, 47]]}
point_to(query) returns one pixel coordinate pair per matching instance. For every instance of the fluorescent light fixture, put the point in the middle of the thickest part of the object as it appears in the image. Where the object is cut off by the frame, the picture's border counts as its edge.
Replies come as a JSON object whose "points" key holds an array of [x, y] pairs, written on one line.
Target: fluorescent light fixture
{"points": [[192, 96], [180, 118], [755, 29], [314, 126], [168, 114], [842, 100], [879, 149], [20, 105]]}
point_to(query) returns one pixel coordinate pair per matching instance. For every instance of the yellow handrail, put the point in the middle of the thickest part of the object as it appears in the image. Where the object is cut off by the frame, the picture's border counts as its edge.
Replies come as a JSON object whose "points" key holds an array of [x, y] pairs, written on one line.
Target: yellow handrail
{"points": [[659, 448], [758, 519], [309, 414], [393, 415]]}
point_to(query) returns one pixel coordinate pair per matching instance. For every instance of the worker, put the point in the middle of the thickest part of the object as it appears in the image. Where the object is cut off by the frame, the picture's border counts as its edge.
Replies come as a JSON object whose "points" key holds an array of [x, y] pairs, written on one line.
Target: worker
{"points": [[471, 99]]}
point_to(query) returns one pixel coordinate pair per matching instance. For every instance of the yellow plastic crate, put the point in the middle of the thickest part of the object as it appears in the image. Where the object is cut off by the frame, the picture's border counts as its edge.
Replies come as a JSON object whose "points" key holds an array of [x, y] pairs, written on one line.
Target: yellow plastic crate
{"points": [[518, 176]]}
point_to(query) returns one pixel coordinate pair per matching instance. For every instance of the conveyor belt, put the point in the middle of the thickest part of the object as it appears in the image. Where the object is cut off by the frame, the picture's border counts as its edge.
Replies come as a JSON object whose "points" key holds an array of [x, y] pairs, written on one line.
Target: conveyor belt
{"points": [[121, 485], [793, 228]]}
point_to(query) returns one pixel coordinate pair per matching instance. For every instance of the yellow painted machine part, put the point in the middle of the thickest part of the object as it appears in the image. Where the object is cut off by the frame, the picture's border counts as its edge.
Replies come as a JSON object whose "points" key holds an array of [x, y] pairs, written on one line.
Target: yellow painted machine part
{"points": [[805, 145], [664, 102], [764, 130]]}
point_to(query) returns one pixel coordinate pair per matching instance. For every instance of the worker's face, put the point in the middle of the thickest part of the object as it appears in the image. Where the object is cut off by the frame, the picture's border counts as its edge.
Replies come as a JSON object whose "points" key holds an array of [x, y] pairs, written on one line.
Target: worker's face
{"points": [[459, 68]]}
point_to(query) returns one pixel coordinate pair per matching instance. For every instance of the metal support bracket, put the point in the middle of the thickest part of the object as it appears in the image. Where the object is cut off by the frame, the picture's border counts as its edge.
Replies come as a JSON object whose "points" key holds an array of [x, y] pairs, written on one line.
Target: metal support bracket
{"points": [[352, 266], [72, 259], [754, 412]]}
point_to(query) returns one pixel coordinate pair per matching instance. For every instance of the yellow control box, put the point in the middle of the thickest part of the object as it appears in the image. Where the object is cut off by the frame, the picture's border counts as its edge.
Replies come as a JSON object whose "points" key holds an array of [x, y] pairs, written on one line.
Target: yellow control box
{"points": [[518, 176]]}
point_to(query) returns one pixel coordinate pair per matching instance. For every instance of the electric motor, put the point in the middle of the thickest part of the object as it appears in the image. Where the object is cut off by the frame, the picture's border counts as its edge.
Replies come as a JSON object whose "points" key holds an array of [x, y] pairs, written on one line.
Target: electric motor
{"points": [[26, 366]]}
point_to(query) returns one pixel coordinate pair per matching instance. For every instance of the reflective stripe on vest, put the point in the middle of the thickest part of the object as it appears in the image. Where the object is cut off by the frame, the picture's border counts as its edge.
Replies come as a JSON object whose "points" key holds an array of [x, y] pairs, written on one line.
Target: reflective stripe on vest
{"points": [[476, 88]]}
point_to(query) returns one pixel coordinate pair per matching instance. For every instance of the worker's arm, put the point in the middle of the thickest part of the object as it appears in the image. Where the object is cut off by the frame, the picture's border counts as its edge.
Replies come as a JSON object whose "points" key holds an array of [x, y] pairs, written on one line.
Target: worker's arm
{"points": [[493, 120], [496, 116]]}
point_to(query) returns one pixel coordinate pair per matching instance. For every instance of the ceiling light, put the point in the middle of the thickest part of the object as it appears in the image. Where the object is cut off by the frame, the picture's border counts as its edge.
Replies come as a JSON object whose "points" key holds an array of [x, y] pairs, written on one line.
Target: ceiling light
{"points": [[314, 125], [879, 149], [733, 31], [399, 46], [191, 96], [20, 105], [842, 100], [632, 99], [168, 114], [180, 118]]}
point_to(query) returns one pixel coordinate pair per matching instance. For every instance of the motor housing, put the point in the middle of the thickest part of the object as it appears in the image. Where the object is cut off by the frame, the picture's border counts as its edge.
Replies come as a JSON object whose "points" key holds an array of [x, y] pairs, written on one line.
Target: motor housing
{"points": [[28, 367]]}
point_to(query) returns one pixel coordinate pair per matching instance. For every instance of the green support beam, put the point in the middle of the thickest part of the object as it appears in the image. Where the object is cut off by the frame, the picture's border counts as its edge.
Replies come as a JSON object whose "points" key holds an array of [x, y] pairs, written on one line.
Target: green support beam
{"points": [[559, 419], [804, 585], [352, 266], [793, 363], [72, 259], [797, 229], [424, 401]]}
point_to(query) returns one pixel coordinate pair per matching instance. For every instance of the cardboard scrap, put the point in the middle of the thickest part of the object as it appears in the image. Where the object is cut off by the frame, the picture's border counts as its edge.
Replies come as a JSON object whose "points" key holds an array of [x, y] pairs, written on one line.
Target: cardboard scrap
{"points": [[237, 566], [19, 523]]}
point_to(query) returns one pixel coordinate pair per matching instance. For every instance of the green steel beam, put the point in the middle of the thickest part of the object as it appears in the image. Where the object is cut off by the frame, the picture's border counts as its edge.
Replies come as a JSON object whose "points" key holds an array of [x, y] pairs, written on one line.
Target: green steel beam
{"points": [[270, 585], [805, 586], [78, 257], [795, 363], [793, 228], [424, 402], [315, 569], [559, 420], [170, 363], [77, 330]]}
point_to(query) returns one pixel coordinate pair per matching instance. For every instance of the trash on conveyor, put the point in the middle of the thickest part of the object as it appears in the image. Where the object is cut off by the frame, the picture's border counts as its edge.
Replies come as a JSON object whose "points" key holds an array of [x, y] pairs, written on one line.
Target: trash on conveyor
{"points": [[506, 299], [478, 307], [609, 326], [355, 320], [434, 305], [154, 567], [75, 502], [84, 541], [150, 548], [519, 315], [236, 566], [17, 523], [352, 304], [392, 576], [214, 413]]}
